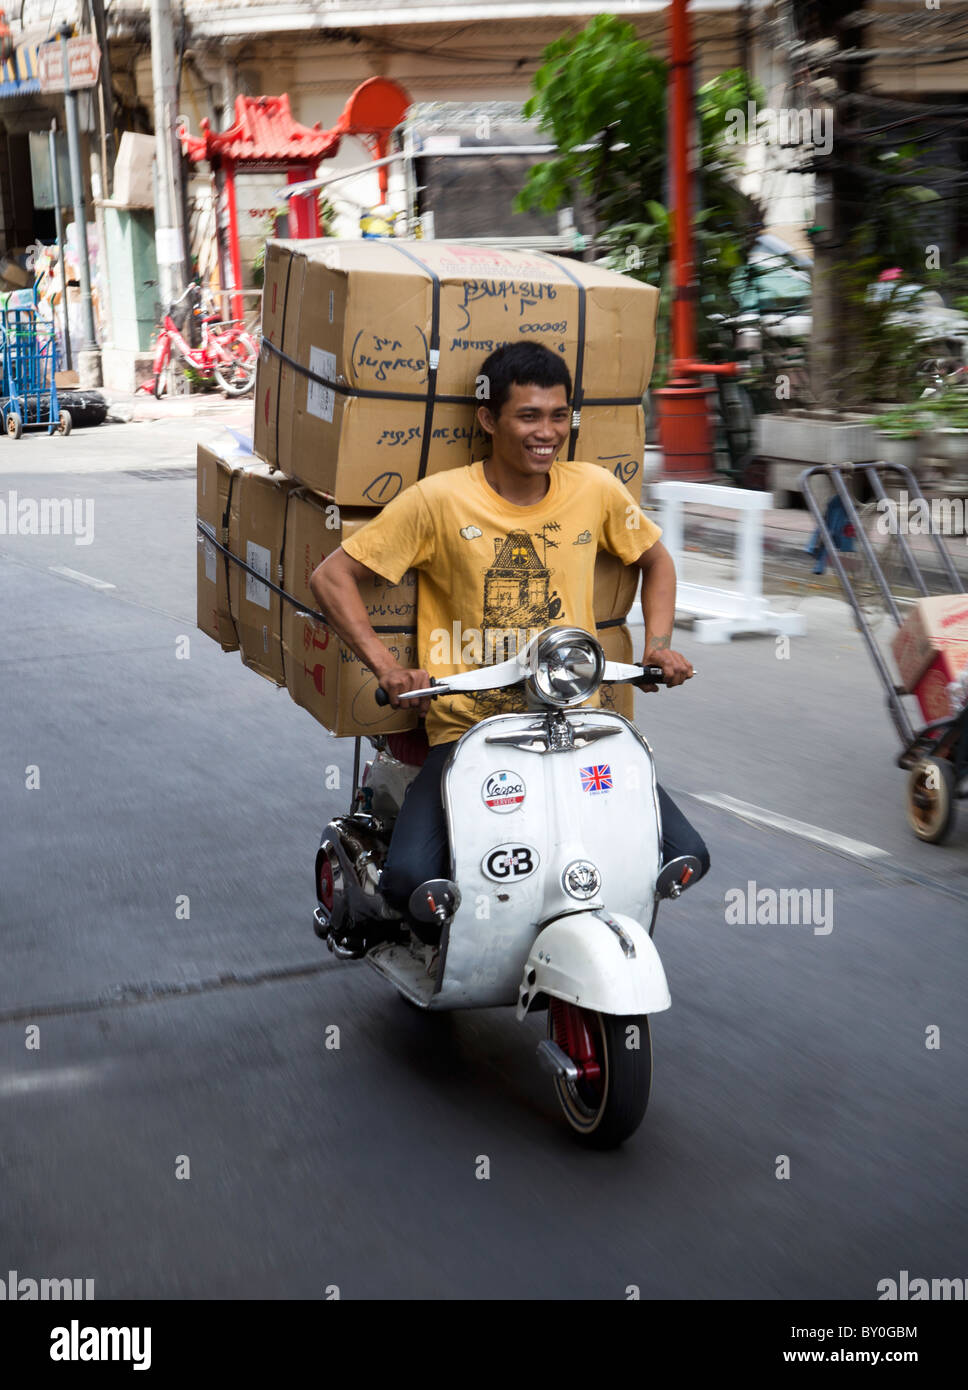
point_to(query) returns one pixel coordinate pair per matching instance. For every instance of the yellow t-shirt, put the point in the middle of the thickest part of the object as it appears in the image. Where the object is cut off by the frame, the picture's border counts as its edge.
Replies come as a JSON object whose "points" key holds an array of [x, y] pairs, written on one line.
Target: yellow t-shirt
{"points": [[492, 574]]}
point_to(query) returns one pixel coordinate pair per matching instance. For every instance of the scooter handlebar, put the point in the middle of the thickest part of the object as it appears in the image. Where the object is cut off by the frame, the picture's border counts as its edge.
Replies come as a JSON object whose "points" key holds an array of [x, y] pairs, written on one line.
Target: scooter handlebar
{"points": [[653, 674]]}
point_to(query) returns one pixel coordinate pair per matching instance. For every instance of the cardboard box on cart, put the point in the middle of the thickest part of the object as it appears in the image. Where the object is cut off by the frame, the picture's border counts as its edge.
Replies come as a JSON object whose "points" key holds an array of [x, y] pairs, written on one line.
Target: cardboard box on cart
{"points": [[360, 315], [931, 650]]}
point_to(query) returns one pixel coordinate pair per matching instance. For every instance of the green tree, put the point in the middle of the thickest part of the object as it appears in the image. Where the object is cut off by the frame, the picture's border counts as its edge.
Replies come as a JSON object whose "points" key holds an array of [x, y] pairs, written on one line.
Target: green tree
{"points": [[601, 95]]}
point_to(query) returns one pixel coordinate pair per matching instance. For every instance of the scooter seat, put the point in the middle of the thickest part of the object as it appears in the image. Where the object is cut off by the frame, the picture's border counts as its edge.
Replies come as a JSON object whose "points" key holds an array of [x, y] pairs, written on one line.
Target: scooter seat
{"points": [[410, 747]]}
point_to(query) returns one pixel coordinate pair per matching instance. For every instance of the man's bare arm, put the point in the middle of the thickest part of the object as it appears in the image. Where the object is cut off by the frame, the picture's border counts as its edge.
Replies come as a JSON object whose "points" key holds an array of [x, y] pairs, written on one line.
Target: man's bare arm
{"points": [[659, 612], [335, 587]]}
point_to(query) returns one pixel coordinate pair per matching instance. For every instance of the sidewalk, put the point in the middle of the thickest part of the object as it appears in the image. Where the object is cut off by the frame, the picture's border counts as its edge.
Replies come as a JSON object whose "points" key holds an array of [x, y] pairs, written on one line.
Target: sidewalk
{"points": [[124, 408]]}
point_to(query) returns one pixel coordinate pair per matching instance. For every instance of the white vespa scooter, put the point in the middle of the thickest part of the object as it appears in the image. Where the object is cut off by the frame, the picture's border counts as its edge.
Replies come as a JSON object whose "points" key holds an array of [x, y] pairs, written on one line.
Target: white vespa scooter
{"points": [[556, 847]]}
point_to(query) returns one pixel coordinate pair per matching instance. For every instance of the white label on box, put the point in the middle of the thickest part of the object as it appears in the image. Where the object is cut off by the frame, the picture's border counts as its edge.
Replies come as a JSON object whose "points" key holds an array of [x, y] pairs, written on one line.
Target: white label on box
{"points": [[258, 558], [209, 561], [320, 401]]}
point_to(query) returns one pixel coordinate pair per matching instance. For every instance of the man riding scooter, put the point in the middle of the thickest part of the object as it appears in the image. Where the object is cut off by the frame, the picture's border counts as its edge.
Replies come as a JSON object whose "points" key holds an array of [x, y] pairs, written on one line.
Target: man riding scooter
{"points": [[503, 548]]}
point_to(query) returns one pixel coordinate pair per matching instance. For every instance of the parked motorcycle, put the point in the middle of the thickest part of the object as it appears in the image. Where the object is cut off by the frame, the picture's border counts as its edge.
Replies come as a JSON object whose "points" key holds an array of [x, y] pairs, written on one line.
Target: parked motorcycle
{"points": [[556, 878]]}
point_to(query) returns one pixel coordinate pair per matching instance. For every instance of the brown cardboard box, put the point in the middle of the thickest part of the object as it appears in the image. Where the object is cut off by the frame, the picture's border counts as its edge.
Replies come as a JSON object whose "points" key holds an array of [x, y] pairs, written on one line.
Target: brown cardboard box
{"points": [[359, 314], [15, 274], [615, 587], [931, 650], [322, 674], [215, 478], [265, 519], [257, 521], [617, 646]]}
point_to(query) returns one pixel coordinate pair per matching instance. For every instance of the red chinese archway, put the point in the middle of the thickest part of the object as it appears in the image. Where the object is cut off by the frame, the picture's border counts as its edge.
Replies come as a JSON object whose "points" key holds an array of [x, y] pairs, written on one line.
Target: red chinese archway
{"points": [[265, 138]]}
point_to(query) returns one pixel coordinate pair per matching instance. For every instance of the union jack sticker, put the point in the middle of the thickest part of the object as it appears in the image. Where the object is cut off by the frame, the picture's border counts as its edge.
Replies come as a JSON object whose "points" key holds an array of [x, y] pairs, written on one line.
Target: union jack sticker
{"points": [[596, 779]]}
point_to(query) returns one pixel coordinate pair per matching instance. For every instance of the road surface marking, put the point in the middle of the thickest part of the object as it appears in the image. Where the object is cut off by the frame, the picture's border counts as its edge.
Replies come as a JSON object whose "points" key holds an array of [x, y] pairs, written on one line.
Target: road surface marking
{"points": [[79, 578], [795, 827], [23, 1083]]}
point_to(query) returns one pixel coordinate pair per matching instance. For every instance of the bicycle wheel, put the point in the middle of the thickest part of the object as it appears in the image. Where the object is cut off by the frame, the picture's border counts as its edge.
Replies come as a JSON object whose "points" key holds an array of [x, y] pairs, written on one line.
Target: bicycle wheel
{"points": [[236, 376]]}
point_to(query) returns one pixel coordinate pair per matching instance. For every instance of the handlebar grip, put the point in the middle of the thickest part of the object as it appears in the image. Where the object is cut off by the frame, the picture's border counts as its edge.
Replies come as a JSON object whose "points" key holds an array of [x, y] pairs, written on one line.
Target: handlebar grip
{"points": [[382, 698]]}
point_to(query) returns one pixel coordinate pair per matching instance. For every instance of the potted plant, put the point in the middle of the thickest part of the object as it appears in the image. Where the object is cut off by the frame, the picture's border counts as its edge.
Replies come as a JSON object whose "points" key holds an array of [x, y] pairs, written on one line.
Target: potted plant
{"points": [[899, 431], [949, 413]]}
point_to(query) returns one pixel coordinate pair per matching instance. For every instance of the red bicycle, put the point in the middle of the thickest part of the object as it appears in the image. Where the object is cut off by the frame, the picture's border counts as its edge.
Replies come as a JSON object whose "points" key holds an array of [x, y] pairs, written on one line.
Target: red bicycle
{"points": [[228, 351]]}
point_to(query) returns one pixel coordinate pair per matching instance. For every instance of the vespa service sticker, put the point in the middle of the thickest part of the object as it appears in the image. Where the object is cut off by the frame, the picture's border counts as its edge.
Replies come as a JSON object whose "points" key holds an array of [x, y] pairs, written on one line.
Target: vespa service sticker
{"points": [[509, 862], [503, 791]]}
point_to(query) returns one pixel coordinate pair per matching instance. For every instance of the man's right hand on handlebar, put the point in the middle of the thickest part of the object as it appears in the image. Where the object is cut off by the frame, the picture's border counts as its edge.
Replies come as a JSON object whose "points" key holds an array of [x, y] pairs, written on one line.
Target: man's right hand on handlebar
{"points": [[396, 680]]}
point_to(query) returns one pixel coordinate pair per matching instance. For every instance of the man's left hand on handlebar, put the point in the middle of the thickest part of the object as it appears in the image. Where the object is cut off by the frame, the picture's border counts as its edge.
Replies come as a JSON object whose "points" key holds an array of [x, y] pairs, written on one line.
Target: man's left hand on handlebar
{"points": [[675, 667]]}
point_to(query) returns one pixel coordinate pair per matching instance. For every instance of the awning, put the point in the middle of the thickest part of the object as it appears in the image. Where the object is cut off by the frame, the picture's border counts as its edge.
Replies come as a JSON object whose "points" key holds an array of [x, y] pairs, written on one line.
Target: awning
{"points": [[18, 75]]}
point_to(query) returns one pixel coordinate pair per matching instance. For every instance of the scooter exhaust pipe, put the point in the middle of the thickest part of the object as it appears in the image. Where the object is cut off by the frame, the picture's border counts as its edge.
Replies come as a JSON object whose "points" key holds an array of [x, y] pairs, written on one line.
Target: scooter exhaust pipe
{"points": [[556, 1060]]}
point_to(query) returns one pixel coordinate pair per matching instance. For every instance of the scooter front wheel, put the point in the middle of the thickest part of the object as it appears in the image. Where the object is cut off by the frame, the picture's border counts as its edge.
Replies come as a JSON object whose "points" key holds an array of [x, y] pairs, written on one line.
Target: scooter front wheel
{"points": [[605, 1104]]}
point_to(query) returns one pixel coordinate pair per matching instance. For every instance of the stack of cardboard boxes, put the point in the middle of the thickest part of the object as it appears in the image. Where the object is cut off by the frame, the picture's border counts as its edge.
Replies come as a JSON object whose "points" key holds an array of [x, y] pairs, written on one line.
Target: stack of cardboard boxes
{"points": [[369, 379], [931, 651]]}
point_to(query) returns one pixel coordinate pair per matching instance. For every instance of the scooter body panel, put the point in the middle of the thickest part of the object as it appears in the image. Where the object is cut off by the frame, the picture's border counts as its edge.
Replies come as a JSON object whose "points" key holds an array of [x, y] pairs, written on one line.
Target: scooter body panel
{"points": [[524, 821], [603, 961]]}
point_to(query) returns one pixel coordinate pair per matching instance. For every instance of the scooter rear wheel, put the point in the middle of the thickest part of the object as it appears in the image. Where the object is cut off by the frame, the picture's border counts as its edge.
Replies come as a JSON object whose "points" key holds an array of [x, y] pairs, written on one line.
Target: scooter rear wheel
{"points": [[603, 1110]]}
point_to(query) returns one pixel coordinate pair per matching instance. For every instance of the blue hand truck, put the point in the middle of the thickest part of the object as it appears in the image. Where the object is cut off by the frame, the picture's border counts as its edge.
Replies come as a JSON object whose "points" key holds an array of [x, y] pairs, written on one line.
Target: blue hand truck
{"points": [[28, 390]]}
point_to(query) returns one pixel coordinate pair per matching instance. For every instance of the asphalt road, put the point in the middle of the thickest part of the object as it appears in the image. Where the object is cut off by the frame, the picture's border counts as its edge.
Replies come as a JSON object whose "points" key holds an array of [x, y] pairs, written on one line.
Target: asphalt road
{"points": [[164, 1037]]}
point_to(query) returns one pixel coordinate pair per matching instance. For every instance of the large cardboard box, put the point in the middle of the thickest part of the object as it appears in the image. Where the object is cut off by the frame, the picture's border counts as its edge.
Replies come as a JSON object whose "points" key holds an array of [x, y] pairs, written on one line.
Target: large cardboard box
{"points": [[617, 646], [215, 479], [931, 650], [257, 524], [361, 315], [283, 532], [322, 674]]}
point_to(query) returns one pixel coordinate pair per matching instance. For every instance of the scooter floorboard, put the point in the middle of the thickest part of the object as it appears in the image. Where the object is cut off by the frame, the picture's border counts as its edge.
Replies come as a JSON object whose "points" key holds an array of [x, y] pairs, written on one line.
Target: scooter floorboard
{"points": [[396, 964]]}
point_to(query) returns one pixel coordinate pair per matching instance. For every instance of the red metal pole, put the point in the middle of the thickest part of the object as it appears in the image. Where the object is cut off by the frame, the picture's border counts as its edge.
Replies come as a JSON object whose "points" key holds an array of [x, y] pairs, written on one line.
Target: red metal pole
{"points": [[304, 210], [238, 308], [685, 426], [683, 322]]}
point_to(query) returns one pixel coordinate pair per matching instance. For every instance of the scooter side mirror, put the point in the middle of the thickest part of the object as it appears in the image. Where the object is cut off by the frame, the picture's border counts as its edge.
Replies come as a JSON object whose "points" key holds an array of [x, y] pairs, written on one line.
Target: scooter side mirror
{"points": [[435, 901], [677, 876]]}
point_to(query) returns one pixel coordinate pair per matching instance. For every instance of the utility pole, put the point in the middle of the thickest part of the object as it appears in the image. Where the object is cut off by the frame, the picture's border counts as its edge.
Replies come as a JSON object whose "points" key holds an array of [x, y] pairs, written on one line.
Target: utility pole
{"points": [[168, 222], [107, 98], [89, 343]]}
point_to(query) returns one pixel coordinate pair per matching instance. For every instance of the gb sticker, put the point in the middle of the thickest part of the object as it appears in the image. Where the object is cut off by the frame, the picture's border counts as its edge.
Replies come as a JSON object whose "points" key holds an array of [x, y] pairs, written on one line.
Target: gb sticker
{"points": [[503, 791], [509, 862]]}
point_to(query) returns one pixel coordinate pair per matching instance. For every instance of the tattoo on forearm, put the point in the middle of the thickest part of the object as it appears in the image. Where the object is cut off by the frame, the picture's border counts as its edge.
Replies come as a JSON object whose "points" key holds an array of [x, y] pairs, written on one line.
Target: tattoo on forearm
{"points": [[661, 644]]}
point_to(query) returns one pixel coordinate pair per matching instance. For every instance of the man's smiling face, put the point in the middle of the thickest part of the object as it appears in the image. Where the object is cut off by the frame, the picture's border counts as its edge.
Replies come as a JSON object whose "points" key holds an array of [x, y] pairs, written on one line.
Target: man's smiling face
{"points": [[531, 429]]}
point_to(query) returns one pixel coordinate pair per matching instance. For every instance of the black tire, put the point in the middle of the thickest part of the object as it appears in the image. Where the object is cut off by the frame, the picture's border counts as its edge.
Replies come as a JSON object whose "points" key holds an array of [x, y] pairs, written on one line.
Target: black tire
{"points": [[15, 426], [931, 800], [604, 1115], [65, 422], [159, 385]]}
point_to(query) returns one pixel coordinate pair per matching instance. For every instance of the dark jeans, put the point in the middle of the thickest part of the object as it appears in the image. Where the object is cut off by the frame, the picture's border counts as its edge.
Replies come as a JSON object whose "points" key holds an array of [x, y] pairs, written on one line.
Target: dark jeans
{"points": [[419, 849]]}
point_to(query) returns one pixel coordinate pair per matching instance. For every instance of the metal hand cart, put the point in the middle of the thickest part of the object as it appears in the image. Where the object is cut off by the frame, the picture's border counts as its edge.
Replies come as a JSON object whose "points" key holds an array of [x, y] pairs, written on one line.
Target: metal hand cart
{"points": [[28, 390], [935, 757]]}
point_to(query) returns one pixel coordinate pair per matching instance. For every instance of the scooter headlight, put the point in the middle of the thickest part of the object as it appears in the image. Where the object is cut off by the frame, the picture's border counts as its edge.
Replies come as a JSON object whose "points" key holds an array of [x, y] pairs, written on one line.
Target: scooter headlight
{"points": [[567, 667]]}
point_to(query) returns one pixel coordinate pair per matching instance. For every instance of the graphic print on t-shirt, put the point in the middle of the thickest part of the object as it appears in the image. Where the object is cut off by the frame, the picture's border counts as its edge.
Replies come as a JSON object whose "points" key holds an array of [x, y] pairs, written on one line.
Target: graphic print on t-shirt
{"points": [[518, 602]]}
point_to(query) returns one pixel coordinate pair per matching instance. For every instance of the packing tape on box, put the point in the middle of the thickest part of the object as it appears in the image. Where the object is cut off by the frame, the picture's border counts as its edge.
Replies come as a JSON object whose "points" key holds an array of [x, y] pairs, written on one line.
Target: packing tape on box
{"points": [[209, 534], [430, 397]]}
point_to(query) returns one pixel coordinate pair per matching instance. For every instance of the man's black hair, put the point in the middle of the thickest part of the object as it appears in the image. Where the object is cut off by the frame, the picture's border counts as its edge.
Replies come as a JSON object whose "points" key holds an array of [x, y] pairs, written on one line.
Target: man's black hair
{"points": [[521, 364]]}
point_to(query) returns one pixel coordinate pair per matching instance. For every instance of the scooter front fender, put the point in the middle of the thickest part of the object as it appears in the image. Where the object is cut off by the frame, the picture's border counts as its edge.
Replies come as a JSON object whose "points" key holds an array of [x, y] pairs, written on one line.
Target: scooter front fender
{"points": [[604, 961]]}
